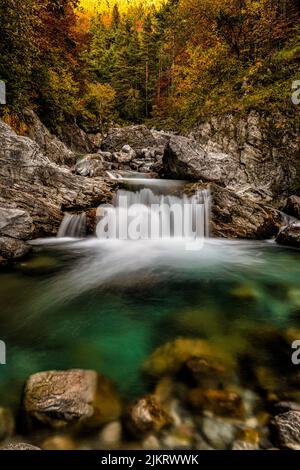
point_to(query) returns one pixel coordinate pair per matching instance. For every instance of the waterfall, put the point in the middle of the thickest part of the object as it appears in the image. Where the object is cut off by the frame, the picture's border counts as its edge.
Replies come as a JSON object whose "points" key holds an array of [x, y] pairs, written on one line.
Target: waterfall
{"points": [[73, 226], [149, 214]]}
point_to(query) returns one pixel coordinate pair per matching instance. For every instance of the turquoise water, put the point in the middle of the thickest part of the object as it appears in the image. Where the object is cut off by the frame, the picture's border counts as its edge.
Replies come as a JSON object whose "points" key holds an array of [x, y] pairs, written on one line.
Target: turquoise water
{"points": [[106, 305]]}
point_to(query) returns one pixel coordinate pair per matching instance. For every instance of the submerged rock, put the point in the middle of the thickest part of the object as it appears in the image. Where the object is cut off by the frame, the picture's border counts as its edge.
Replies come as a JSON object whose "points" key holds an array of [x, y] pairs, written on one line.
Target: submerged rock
{"points": [[147, 415], [287, 427], [7, 423], [111, 434], [67, 398], [208, 370], [218, 432], [58, 442], [220, 402], [290, 236], [243, 445], [169, 358]]}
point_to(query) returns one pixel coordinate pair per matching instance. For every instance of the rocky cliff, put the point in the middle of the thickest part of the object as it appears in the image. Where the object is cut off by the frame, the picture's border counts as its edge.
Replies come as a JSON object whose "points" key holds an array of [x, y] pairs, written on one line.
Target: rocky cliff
{"points": [[256, 155], [34, 191]]}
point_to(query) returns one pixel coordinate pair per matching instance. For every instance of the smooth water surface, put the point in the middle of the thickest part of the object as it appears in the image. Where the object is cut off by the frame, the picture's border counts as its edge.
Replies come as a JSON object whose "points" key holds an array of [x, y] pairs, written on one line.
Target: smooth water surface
{"points": [[107, 304]]}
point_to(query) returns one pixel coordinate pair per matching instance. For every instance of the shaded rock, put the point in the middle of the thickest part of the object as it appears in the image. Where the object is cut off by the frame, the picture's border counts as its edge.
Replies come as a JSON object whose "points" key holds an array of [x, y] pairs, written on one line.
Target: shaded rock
{"points": [[287, 427], [20, 446], [147, 415], [49, 144], [137, 137], [292, 206], [178, 440], [73, 397], [169, 358], [58, 442], [220, 402], [289, 236], [78, 140], [10, 248], [7, 423], [218, 432]]}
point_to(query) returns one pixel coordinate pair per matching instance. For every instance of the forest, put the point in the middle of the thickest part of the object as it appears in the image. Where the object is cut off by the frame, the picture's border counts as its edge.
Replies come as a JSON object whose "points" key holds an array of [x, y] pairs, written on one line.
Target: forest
{"points": [[164, 63]]}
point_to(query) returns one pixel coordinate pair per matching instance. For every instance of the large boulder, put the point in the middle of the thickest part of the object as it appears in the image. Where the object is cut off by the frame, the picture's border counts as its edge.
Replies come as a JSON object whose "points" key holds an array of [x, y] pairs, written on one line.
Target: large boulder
{"points": [[81, 398], [184, 159], [233, 216], [34, 191], [290, 235]]}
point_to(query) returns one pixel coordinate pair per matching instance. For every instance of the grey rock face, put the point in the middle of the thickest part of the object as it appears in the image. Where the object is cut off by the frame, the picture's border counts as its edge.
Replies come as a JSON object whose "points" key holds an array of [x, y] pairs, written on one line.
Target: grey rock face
{"points": [[184, 158], [49, 144], [137, 137], [264, 147], [287, 426], [34, 191], [74, 397]]}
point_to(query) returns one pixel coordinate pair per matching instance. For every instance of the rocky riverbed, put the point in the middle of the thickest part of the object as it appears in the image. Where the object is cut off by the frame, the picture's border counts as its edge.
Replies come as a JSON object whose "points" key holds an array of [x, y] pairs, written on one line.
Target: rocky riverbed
{"points": [[199, 398]]}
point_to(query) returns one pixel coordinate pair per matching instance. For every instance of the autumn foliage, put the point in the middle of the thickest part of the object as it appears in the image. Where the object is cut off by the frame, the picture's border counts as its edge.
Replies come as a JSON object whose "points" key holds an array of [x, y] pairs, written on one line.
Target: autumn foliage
{"points": [[166, 62]]}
